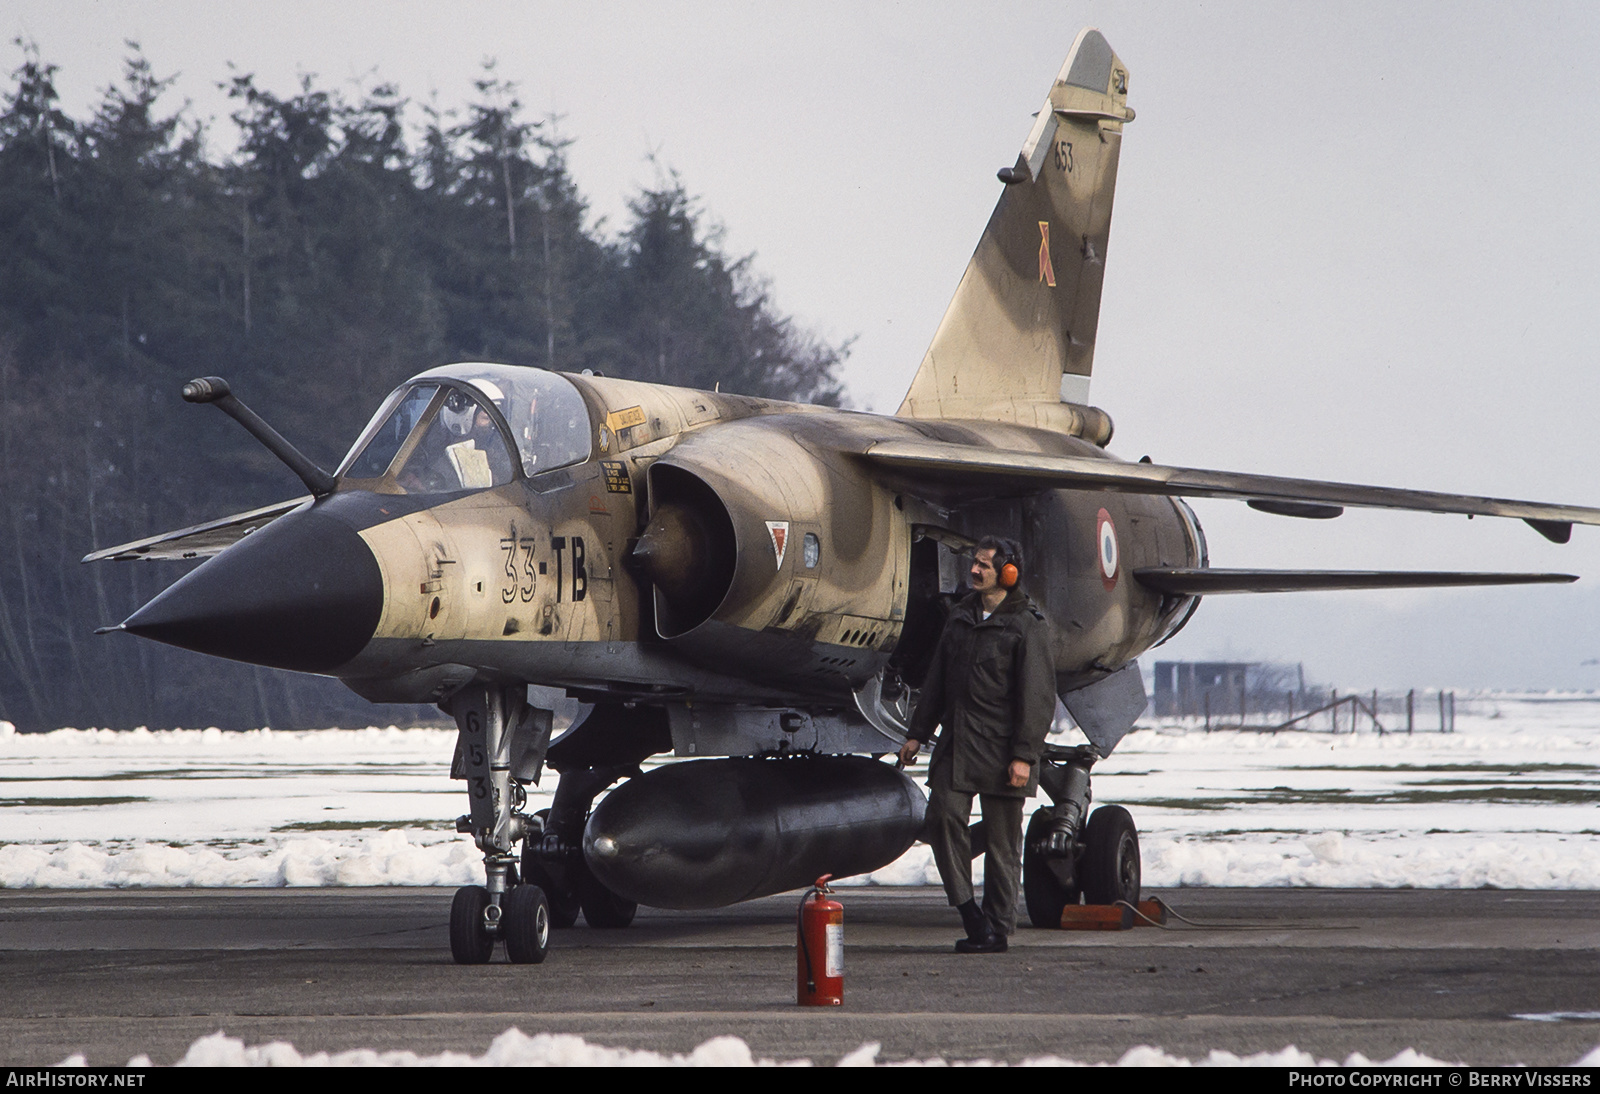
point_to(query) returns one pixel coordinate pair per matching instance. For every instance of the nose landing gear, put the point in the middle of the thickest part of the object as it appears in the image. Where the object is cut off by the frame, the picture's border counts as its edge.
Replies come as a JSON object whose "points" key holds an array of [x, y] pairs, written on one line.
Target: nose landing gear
{"points": [[510, 907]]}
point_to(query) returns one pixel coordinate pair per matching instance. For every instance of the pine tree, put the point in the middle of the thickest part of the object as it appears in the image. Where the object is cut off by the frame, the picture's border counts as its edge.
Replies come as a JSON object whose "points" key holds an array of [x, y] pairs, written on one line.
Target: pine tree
{"points": [[318, 264]]}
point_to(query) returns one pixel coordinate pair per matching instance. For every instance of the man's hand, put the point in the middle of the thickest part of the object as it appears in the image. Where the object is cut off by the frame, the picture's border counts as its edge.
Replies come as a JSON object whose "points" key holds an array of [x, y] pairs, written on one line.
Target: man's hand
{"points": [[909, 750], [1019, 774]]}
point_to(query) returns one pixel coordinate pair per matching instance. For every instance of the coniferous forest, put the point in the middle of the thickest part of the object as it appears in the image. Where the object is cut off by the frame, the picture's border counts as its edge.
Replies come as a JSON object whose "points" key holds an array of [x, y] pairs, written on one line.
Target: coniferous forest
{"points": [[347, 242]]}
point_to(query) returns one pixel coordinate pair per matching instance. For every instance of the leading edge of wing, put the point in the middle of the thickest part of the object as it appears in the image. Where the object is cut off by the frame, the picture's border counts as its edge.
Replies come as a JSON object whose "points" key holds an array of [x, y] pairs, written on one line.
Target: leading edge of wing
{"points": [[1183, 581], [991, 467], [199, 540]]}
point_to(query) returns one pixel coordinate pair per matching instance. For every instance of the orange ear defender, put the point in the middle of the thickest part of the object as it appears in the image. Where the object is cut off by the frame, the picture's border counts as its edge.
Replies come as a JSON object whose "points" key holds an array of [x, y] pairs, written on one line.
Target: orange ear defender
{"points": [[1009, 557]]}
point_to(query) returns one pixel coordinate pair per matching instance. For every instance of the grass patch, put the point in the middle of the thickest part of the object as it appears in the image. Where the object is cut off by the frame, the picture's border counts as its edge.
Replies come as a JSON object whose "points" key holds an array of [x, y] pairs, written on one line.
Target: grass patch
{"points": [[1471, 769], [68, 802], [359, 826], [1501, 781], [245, 770], [1284, 795]]}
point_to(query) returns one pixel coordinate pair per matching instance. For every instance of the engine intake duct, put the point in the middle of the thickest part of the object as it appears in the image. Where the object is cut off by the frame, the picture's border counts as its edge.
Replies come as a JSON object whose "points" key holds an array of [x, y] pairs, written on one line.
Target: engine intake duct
{"points": [[709, 833], [688, 550]]}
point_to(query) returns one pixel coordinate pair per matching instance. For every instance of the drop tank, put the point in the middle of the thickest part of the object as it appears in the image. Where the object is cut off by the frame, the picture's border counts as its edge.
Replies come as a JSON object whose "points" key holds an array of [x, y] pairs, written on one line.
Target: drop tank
{"points": [[709, 833]]}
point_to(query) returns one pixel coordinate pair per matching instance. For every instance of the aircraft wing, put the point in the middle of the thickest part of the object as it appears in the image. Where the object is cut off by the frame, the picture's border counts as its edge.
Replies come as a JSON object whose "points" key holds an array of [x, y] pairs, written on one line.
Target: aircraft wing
{"points": [[1185, 581], [200, 540], [998, 469]]}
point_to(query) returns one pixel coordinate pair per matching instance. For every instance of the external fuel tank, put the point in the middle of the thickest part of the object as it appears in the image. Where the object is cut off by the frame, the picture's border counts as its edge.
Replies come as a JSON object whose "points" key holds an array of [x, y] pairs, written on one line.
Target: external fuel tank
{"points": [[709, 833]]}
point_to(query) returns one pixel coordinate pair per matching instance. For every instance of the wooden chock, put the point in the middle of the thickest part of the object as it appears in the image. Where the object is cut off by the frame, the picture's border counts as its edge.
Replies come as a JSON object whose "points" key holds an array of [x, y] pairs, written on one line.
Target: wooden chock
{"points": [[1096, 917]]}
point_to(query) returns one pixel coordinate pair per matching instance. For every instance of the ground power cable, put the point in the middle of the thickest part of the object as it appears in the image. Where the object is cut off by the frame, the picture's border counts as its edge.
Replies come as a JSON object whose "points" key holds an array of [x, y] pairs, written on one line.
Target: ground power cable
{"points": [[1169, 911]]}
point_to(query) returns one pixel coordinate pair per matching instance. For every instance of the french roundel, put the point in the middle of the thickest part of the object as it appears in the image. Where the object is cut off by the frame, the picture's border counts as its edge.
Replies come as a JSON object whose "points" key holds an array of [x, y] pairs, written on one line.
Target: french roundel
{"points": [[1106, 536]]}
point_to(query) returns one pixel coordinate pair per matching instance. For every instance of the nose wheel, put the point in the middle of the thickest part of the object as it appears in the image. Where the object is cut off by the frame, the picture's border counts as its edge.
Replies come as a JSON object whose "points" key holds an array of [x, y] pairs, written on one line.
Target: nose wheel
{"points": [[522, 920], [470, 940], [526, 925]]}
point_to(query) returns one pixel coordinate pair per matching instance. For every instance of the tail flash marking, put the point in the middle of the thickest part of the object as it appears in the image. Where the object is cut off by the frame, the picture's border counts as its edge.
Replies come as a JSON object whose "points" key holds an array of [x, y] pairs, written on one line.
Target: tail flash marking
{"points": [[1047, 272]]}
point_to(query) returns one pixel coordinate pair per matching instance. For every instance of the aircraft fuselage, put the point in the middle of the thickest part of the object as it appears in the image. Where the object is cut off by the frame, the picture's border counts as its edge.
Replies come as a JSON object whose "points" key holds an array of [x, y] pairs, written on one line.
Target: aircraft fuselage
{"points": [[821, 572]]}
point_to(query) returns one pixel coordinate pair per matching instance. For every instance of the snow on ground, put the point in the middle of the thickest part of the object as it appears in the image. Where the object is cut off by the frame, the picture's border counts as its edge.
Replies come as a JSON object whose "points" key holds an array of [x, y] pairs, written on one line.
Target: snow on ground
{"points": [[513, 1048], [1508, 801]]}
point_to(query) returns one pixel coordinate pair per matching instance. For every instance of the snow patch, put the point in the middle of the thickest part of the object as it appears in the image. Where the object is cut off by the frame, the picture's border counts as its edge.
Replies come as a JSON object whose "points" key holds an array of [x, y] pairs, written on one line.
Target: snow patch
{"points": [[513, 1048], [1508, 801], [384, 858]]}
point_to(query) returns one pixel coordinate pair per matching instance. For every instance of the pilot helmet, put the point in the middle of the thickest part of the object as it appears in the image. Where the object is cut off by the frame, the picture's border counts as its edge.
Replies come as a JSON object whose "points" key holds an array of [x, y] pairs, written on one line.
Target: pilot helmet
{"points": [[458, 412], [492, 390]]}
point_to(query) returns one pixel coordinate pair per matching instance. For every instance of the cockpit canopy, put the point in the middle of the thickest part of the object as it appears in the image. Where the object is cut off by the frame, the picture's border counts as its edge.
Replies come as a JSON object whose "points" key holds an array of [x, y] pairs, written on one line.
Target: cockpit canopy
{"points": [[470, 427]]}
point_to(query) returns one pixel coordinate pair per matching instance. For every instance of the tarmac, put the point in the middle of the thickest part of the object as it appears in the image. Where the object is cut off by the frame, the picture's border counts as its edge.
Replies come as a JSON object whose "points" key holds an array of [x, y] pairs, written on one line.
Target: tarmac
{"points": [[116, 973]]}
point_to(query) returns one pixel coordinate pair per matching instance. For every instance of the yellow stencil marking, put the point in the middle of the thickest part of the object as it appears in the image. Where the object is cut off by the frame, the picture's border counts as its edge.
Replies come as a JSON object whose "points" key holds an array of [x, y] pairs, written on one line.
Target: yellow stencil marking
{"points": [[618, 420]]}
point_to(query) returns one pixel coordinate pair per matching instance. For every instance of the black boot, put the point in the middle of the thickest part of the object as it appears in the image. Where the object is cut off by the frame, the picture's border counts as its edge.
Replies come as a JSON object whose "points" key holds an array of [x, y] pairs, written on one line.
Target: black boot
{"points": [[981, 935]]}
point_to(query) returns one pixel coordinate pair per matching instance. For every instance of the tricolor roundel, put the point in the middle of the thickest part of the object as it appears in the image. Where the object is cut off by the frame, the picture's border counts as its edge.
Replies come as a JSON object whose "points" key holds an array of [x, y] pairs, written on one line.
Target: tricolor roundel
{"points": [[1105, 534]]}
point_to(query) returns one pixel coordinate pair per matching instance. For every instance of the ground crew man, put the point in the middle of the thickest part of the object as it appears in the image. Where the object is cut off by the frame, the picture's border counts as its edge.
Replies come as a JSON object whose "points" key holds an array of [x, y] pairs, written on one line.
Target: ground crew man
{"points": [[991, 687]]}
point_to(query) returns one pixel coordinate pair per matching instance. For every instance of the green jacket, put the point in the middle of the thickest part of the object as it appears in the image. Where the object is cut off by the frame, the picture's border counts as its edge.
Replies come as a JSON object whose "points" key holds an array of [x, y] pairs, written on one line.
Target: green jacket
{"points": [[992, 687]]}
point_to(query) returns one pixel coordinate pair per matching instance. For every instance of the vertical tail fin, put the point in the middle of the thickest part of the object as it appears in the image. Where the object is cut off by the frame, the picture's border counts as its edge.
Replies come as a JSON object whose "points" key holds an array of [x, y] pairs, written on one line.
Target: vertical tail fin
{"points": [[1017, 341]]}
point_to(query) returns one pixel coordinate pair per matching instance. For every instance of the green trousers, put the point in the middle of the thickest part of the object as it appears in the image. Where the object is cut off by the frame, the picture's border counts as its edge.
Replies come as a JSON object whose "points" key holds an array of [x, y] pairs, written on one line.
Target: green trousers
{"points": [[946, 832]]}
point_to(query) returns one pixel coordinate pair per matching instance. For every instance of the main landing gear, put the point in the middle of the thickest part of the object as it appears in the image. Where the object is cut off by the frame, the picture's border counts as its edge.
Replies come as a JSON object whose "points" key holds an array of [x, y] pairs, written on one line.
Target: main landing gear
{"points": [[1065, 859], [554, 859], [549, 883]]}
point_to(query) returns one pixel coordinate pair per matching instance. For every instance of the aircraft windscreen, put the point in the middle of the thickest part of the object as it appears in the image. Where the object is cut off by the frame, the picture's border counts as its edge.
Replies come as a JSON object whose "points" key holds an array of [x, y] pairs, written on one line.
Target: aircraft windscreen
{"points": [[437, 438], [548, 418], [382, 439], [434, 440], [458, 447]]}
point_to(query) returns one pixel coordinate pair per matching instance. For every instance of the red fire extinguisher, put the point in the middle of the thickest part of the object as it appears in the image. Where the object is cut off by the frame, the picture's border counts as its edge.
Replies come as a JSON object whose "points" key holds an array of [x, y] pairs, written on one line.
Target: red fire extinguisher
{"points": [[821, 948]]}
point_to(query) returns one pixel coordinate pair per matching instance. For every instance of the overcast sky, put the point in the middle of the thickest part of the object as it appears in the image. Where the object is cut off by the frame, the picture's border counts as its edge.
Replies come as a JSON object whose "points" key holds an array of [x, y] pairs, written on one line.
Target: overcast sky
{"points": [[1351, 241]]}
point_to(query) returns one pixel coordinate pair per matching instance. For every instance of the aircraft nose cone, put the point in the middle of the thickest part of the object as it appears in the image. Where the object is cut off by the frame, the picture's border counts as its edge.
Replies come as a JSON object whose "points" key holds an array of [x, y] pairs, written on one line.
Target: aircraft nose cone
{"points": [[303, 593]]}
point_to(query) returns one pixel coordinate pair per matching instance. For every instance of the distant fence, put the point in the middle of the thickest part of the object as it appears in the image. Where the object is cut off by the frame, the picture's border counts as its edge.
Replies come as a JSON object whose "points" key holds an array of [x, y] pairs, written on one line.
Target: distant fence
{"points": [[1325, 711]]}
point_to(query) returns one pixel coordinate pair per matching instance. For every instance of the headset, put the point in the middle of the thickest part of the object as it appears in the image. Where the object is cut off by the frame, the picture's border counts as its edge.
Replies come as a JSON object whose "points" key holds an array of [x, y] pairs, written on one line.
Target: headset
{"points": [[1007, 561], [1011, 568]]}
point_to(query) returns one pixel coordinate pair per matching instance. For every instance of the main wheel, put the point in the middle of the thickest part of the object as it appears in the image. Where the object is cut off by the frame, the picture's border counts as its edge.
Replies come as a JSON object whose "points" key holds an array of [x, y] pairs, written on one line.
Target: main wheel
{"points": [[563, 902], [470, 943], [1042, 891], [602, 907], [1111, 857], [526, 925]]}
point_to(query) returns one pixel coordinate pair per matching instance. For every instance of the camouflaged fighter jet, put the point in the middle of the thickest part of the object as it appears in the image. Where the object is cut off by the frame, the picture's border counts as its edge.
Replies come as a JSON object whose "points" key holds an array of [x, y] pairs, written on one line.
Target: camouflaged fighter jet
{"points": [[753, 586]]}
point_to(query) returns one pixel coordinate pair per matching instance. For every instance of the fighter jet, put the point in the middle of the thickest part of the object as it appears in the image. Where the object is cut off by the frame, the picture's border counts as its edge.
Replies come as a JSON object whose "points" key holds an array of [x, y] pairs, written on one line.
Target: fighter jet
{"points": [[751, 586]]}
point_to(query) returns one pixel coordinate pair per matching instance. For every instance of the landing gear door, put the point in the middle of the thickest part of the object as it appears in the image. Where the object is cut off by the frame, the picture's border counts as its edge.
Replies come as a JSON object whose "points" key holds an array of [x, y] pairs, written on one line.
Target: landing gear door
{"points": [[1107, 708]]}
